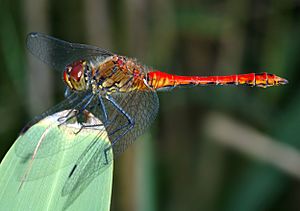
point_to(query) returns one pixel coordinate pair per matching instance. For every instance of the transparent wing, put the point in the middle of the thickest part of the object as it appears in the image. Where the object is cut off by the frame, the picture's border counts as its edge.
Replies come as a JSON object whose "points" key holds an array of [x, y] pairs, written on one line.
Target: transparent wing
{"points": [[58, 53], [143, 108], [72, 101], [48, 150]]}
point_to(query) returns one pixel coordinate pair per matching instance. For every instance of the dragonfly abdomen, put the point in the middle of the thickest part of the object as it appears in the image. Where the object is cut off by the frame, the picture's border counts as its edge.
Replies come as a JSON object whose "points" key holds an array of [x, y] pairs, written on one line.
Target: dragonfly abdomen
{"points": [[160, 80]]}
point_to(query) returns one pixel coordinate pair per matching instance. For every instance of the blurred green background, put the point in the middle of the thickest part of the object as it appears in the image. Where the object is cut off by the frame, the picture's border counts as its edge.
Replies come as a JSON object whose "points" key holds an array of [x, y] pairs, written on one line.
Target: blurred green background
{"points": [[211, 148]]}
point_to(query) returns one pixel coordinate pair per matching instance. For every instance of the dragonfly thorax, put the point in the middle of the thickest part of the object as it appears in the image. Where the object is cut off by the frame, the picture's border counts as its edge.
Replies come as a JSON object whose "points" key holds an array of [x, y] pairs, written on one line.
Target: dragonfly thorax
{"points": [[76, 76]]}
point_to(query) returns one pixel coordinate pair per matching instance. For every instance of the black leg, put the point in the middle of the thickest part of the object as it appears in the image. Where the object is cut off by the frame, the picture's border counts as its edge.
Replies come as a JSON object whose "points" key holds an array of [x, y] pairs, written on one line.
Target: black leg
{"points": [[129, 125], [105, 121], [87, 126], [89, 98], [104, 110]]}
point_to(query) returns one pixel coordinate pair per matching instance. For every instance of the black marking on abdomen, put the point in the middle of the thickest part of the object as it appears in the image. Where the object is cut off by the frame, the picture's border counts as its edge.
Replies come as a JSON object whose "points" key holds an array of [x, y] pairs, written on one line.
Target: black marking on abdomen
{"points": [[188, 85], [231, 83], [210, 83], [249, 84]]}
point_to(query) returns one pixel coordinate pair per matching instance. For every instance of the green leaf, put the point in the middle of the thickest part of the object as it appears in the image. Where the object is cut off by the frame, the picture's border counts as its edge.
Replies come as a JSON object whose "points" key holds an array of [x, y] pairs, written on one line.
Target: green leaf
{"points": [[38, 167]]}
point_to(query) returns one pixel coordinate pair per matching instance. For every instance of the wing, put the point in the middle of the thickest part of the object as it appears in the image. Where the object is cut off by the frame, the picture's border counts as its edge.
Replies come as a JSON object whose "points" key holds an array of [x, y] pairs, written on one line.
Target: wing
{"points": [[72, 101], [143, 108], [58, 53], [48, 150]]}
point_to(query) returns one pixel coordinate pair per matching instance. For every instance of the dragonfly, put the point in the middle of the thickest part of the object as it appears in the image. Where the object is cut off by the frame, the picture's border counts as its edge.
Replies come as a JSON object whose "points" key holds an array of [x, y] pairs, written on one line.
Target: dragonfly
{"points": [[118, 90]]}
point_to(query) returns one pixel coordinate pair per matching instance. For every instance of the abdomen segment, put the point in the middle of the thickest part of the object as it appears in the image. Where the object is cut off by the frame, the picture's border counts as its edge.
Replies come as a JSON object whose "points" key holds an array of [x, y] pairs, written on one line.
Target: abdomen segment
{"points": [[160, 80]]}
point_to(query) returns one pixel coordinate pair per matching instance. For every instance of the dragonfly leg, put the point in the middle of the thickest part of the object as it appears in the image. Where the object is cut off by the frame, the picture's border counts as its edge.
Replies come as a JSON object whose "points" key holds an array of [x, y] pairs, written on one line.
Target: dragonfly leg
{"points": [[105, 120], [88, 126], [66, 118], [128, 127], [90, 98], [130, 123]]}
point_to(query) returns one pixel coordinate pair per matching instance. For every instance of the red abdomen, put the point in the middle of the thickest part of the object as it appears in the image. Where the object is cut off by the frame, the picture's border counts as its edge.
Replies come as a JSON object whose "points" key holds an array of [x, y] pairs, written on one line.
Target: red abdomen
{"points": [[159, 80]]}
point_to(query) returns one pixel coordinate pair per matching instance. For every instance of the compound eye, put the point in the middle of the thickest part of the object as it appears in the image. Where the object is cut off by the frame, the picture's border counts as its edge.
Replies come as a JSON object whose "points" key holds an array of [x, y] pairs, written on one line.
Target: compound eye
{"points": [[77, 71]]}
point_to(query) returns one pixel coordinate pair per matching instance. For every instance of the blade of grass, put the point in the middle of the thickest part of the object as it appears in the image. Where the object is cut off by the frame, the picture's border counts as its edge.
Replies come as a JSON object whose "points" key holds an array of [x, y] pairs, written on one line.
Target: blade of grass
{"points": [[33, 181]]}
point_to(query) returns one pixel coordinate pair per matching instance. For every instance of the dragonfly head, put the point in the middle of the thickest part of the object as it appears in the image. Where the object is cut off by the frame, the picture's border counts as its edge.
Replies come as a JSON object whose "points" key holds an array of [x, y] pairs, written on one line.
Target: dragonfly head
{"points": [[75, 76]]}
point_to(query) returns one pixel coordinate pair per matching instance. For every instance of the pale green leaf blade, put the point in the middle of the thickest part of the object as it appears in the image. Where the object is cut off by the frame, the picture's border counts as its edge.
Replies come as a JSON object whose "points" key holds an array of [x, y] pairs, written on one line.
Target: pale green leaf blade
{"points": [[36, 184]]}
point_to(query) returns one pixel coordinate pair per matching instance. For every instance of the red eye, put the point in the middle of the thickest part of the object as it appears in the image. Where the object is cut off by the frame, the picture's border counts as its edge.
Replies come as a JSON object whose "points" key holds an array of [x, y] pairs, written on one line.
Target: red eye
{"points": [[77, 70]]}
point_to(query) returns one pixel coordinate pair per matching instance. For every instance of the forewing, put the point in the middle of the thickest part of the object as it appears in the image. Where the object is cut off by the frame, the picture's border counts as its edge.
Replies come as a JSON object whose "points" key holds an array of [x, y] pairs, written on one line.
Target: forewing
{"points": [[142, 107], [92, 162], [58, 53], [47, 151]]}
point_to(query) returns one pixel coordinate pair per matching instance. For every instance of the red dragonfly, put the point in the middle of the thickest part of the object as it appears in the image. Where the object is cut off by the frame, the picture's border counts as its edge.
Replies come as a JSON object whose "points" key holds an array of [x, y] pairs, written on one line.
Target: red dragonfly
{"points": [[119, 91]]}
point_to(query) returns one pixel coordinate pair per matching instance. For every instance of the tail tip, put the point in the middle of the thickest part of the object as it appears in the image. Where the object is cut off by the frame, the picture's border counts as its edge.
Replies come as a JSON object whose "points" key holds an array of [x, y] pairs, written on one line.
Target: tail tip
{"points": [[281, 81]]}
